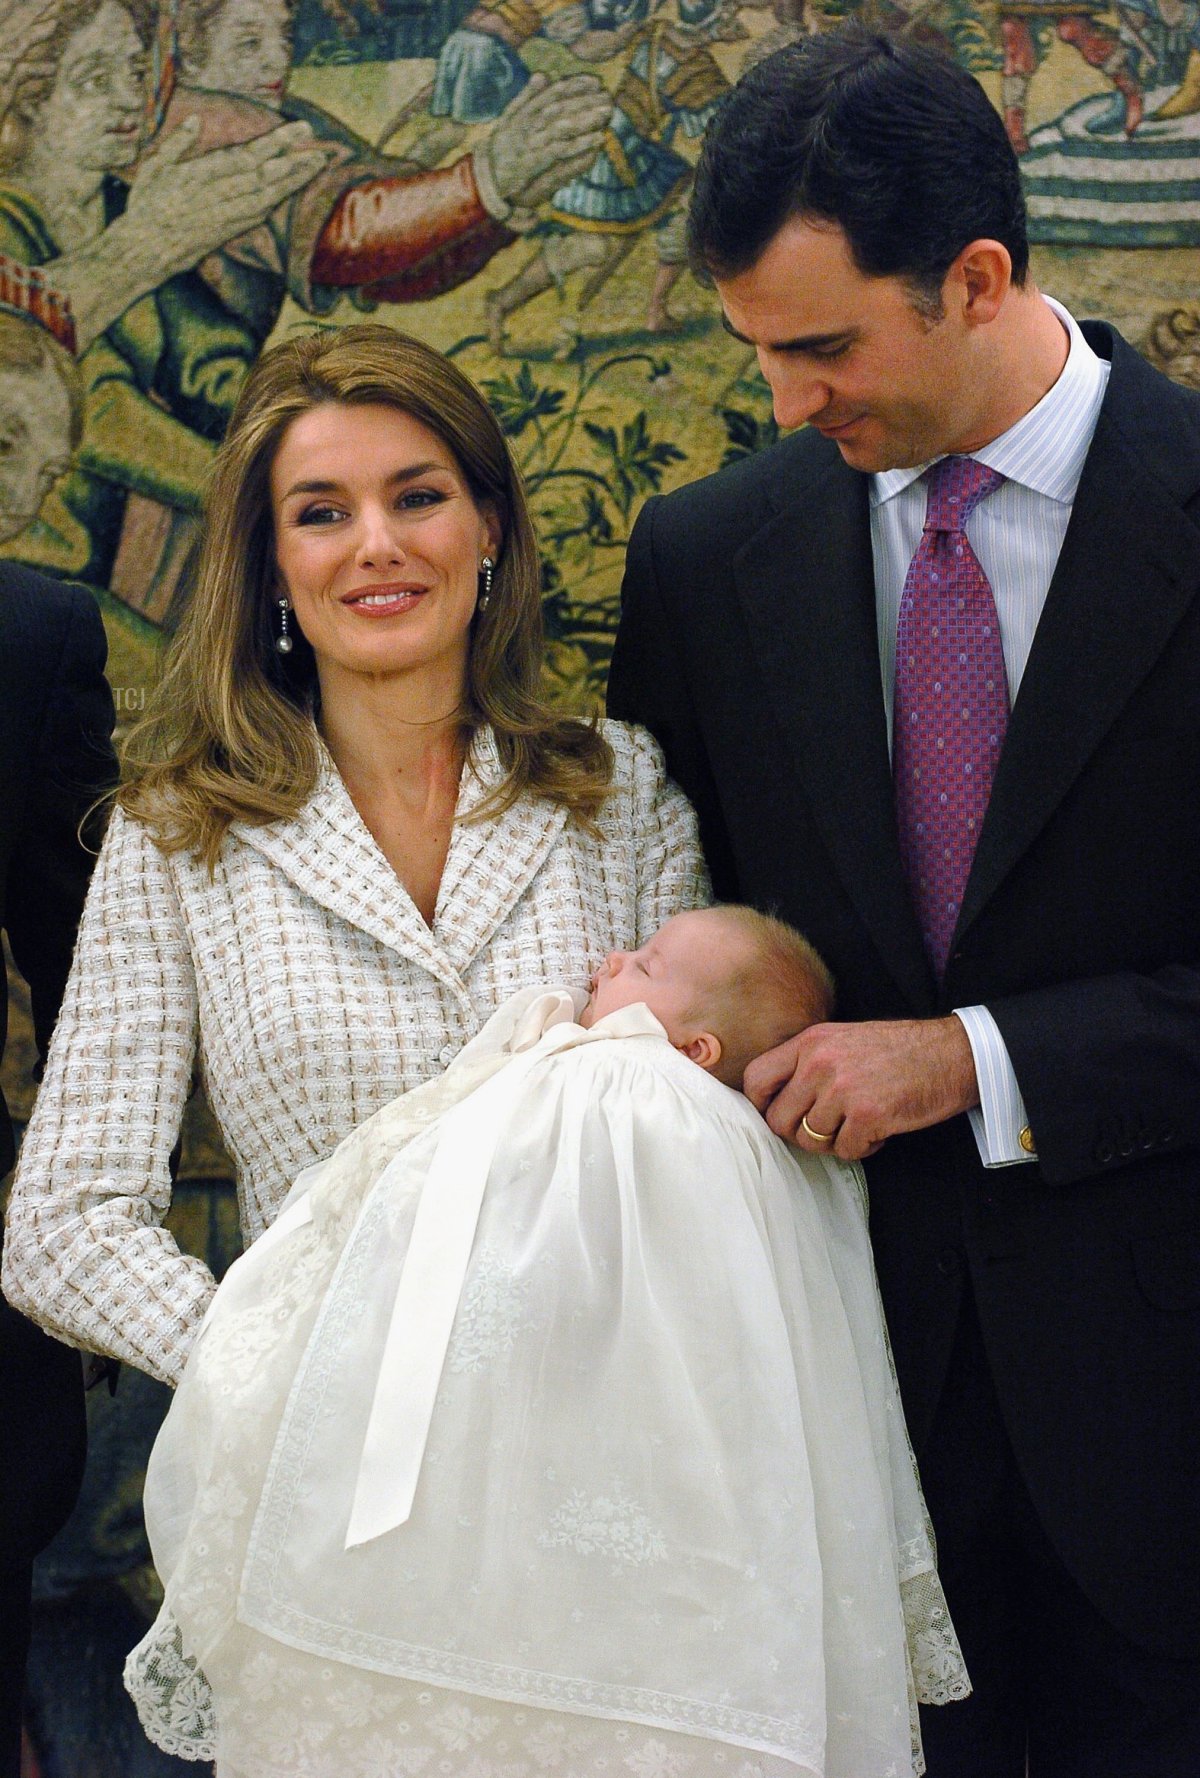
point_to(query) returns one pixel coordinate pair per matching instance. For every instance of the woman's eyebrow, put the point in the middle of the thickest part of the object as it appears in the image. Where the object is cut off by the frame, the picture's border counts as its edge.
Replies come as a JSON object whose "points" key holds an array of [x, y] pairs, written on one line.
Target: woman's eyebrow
{"points": [[410, 470]]}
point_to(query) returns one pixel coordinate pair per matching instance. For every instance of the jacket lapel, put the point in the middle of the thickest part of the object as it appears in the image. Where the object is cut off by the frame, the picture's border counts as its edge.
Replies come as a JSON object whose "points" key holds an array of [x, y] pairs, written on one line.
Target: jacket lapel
{"points": [[808, 595], [1120, 588], [491, 863], [328, 852]]}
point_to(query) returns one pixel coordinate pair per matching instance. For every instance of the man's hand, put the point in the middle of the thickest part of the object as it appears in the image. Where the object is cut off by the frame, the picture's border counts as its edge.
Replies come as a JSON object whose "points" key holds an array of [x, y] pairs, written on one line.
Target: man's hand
{"points": [[179, 210], [188, 207], [856, 1085], [546, 136]]}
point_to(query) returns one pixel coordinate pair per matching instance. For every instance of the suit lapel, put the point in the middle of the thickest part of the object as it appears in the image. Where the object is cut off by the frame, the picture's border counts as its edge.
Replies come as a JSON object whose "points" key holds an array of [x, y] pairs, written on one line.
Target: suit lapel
{"points": [[1118, 592], [329, 853], [808, 595], [491, 863]]}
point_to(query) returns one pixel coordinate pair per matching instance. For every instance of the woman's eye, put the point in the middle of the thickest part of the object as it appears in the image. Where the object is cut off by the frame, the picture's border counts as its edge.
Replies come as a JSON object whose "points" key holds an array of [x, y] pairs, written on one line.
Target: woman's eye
{"points": [[415, 498], [320, 515]]}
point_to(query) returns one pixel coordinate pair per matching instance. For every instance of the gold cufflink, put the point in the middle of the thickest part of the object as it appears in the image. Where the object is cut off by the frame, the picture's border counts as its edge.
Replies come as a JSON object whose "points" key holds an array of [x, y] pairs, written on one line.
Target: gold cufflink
{"points": [[1026, 1140]]}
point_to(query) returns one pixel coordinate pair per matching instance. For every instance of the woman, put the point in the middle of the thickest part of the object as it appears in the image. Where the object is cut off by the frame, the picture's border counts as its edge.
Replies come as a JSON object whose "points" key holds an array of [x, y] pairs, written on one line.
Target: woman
{"points": [[348, 831]]}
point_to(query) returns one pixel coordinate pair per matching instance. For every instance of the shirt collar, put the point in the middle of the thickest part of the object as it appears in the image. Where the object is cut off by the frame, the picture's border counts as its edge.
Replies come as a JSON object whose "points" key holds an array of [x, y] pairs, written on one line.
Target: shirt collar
{"points": [[1046, 448]]}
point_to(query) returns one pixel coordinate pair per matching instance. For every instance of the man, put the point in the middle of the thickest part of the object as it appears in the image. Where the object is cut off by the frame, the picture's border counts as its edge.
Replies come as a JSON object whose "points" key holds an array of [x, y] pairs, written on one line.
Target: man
{"points": [[56, 717], [1010, 914]]}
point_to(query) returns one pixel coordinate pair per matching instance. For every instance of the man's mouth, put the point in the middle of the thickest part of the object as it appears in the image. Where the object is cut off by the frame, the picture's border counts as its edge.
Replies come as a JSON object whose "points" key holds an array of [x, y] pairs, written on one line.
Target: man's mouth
{"points": [[836, 429]]}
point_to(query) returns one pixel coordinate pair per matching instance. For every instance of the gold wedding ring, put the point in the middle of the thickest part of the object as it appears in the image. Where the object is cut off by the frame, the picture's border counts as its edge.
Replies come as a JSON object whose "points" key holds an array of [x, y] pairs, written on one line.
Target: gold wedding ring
{"points": [[814, 1135]]}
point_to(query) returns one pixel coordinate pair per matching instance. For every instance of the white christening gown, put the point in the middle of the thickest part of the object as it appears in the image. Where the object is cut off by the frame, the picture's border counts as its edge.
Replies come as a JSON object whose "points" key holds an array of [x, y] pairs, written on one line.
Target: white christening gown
{"points": [[550, 1430]]}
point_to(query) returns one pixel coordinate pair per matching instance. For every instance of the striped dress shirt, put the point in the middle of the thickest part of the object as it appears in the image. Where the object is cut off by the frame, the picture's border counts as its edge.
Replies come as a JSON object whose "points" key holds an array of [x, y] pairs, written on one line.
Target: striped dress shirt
{"points": [[1017, 534]]}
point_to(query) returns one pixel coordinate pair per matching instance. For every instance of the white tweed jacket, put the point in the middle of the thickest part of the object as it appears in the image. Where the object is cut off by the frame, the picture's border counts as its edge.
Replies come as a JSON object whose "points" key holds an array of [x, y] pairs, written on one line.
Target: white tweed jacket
{"points": [[313, 992]]}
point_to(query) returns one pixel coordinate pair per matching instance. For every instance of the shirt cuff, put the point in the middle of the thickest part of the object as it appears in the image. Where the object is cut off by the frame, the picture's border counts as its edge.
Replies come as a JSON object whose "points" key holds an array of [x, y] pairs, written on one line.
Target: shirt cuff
{"points": [[1000, 1122], [485, 184]]}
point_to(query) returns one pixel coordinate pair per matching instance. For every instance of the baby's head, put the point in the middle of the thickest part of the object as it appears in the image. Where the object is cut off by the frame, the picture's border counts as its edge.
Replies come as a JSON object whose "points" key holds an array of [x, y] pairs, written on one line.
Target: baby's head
{"points": [[725, 983]]}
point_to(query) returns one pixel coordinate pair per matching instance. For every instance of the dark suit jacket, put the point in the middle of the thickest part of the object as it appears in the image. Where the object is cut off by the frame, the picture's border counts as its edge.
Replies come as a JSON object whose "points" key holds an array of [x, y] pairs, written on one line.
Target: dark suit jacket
{"points": [[748, 644], [56, 717]]}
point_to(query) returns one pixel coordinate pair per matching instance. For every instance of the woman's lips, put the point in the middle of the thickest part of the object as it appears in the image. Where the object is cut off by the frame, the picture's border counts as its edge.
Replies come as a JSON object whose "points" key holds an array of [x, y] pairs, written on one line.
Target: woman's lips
{"points": [[384, 601]]}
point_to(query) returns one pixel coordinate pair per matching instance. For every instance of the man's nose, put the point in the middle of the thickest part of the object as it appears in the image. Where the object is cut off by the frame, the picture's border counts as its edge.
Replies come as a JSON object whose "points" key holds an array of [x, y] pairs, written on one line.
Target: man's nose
{"points": [[796, 394]]}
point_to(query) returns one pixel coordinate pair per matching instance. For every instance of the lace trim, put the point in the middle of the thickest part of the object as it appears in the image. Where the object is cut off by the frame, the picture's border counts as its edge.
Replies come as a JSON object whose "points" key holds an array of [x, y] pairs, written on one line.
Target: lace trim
{"points": [[792, 1736], [939, 1672], [176, 1708], [174, 1701]]}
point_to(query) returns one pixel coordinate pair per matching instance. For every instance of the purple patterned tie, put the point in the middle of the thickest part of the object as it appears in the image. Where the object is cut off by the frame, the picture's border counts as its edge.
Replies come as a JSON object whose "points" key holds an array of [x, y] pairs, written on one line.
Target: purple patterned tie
{"points": [[951, 703]]}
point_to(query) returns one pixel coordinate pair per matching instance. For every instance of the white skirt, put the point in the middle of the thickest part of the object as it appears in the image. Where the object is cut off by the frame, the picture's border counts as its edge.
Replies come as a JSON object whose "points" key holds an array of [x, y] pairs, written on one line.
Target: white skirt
{"points": [[663, 1518]]}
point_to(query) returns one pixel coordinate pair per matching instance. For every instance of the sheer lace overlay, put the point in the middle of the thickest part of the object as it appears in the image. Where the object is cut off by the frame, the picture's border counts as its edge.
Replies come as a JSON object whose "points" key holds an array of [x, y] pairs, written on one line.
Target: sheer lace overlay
{"points": [[666, 1519]]}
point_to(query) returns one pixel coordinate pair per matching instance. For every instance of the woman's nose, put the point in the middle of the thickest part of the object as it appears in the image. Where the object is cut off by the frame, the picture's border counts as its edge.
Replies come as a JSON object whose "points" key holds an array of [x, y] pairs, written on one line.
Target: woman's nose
{"points": [[379, 543]]}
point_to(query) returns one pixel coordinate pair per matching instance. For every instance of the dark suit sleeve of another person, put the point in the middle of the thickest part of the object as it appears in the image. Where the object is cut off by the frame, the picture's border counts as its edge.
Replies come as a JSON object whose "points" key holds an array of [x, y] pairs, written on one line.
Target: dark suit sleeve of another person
{"points": [[646, 686], [56, 758], [1087, 947]]}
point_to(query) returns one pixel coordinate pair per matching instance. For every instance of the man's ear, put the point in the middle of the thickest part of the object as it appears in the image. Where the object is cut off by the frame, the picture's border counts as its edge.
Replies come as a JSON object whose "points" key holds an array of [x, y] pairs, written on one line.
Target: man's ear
{"points": [[982, 276], [703, 1048]]}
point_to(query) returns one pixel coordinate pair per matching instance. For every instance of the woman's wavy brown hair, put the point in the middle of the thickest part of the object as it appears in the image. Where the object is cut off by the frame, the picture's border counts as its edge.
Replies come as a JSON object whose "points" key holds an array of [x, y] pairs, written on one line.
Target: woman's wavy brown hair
{"points": [[230, 732]]}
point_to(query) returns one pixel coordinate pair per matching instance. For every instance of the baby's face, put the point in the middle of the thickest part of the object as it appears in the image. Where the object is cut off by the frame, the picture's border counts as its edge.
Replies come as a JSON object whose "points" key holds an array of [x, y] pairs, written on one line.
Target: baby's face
{"points": [[677, 974]]}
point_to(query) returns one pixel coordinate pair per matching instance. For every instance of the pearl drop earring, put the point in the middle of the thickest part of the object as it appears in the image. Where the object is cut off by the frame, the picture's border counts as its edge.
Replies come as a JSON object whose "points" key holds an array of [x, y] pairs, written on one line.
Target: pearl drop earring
{"points": [[283, 642]]}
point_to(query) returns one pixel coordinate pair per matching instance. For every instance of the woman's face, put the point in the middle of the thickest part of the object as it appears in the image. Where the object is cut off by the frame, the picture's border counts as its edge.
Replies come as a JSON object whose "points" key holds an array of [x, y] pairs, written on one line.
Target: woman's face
{"points": [[378, 541], [91, 116], [249, 51]]}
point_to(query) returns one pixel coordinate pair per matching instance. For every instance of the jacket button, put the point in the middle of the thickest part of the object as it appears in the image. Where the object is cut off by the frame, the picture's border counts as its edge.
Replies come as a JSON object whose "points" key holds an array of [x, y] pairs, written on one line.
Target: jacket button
{"points": [[949, 1262]]}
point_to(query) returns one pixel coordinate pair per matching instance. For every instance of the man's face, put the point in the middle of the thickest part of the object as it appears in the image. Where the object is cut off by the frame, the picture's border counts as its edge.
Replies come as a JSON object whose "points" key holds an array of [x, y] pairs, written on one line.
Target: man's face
{"points": [[35, 443], [249, 51], [852, 355], [91, 117]]}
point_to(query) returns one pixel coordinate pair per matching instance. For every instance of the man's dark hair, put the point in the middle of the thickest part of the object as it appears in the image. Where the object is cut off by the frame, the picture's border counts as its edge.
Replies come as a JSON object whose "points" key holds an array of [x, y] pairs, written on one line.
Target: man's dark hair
{"points": [[894, 142]]}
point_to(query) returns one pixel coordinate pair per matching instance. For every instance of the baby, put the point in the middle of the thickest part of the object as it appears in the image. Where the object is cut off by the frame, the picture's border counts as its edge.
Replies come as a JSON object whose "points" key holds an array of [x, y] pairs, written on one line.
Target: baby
{"points": [[551, 1423], [726, 984]]}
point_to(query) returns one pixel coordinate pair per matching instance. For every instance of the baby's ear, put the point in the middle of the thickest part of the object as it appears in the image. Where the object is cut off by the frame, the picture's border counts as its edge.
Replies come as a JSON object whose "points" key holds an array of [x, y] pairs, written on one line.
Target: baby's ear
{"points": [[704, 1049]]}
